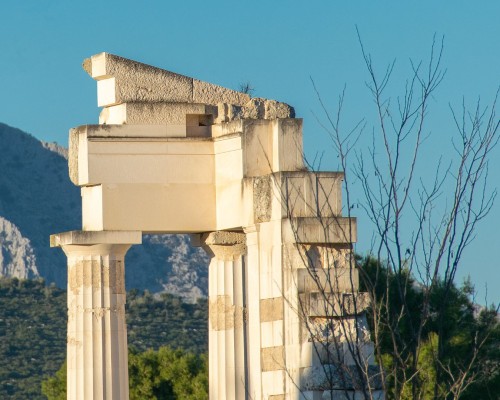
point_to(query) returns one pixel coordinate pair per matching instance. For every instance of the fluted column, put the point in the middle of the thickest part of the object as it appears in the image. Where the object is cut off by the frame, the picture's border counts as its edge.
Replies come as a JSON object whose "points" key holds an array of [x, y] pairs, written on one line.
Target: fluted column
{"points": [[97, 333], [227, 359]]}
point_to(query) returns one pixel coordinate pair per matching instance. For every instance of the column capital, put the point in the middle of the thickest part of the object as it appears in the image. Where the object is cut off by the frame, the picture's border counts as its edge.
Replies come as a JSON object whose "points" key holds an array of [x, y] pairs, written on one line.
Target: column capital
{"points": [[88, 238], [224, 245], [223, 238]]}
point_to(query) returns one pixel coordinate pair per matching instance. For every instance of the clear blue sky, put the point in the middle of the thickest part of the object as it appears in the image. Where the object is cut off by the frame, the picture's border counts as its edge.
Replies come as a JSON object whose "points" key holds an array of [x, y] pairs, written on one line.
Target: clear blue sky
{"points": [[274, 45]]}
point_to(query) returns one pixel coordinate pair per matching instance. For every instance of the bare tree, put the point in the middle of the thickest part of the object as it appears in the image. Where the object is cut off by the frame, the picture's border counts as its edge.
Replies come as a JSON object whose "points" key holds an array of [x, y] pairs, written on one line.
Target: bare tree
{"points": [[422, 226]]}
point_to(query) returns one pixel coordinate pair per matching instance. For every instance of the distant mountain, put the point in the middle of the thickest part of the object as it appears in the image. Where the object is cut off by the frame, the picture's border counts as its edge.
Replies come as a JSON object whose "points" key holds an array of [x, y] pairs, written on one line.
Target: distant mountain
{"points": [[38, 199]]}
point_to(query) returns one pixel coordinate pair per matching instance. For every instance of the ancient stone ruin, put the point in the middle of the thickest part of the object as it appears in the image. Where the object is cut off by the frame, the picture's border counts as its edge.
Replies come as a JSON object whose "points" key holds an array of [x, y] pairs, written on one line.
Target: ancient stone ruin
{"points": [[172, 154]]}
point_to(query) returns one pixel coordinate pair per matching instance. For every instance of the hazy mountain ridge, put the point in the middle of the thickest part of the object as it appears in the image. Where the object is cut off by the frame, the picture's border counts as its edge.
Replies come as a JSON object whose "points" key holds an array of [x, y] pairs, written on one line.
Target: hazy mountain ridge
{"points": [[38, 199]]}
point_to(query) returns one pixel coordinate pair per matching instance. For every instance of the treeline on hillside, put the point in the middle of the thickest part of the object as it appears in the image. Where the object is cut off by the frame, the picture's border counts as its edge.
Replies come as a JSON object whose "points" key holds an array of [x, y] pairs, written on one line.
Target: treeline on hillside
{"points": [[469, 336], [33, 331]]}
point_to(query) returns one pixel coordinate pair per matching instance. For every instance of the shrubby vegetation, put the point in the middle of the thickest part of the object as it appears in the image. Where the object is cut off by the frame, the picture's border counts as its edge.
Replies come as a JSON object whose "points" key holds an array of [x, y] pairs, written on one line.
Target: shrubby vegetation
{"points": [[33, 331], [163, 374], [32, 336], [168, 374], [467, 333], [159, 320]]}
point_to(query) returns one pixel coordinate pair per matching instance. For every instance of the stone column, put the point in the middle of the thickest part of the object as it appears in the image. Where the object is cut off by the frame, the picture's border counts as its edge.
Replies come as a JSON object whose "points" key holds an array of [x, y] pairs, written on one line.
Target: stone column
{"points": [[227, 315], [97, 333]]}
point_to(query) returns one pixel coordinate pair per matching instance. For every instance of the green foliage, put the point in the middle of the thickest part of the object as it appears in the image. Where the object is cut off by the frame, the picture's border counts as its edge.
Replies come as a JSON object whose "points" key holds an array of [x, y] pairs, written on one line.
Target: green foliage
{"points": [[165, 374], [55, 387], [449, 339], [32, 336], [154, 321], [487, 384], [33, 331], [168, 374], [396, 291]]}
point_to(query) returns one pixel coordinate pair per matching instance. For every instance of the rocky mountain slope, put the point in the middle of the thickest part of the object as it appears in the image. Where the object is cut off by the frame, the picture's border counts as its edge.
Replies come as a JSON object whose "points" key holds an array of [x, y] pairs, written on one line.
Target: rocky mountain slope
{"points": [[38, 199]]}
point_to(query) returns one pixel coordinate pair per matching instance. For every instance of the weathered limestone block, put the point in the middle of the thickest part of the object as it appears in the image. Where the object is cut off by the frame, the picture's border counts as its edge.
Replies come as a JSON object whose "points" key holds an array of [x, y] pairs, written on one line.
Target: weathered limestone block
{"points": [[316, 354], [90, 238], [275, 109], [259, 108], [333, 330], [271, 309], [225, 245], [272, 332], [150, 206], [360, 352], [273, 358], [228, 112], [326, 280], [107, 140], [320, 230], [224, 315], [328, 256], [120, 80], [312, 194], [208, 93], [318, 303], [143, 113], [262, 198], [223, 238], [296, 194], [270, 146], [221, 129], [256, 108]]}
